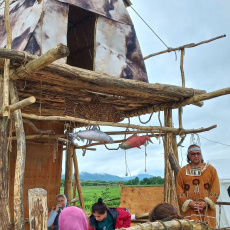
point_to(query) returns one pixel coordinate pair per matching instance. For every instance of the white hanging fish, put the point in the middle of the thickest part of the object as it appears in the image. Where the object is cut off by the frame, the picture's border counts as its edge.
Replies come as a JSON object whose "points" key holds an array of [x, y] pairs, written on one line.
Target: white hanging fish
{"points": [[92, 135]]}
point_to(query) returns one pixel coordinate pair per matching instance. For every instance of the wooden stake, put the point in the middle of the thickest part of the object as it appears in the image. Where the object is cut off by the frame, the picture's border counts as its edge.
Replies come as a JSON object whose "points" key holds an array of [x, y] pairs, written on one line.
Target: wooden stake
{"points": [[52, 55], [77, 179], [20, 162], [37, 208]]}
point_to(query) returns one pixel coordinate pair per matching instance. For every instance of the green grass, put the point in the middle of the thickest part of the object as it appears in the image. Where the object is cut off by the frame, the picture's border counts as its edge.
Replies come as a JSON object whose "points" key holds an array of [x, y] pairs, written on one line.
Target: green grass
{"points": [[92, 193]]}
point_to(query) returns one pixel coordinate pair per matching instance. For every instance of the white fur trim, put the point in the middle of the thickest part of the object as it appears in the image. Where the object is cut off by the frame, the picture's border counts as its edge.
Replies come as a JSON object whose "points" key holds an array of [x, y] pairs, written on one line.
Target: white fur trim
{"points": [[185, 206], [210, 202]]}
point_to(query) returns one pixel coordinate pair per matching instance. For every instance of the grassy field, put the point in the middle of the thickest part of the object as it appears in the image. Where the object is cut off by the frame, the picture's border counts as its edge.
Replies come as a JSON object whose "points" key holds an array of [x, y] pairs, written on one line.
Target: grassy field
{"points": [[92, 193]]}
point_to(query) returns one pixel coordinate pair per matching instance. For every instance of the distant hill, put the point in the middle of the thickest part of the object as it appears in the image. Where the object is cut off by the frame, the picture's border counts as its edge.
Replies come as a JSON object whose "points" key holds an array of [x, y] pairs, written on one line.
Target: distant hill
{"points": [[107, 177], [140, 176], [102, 177]]}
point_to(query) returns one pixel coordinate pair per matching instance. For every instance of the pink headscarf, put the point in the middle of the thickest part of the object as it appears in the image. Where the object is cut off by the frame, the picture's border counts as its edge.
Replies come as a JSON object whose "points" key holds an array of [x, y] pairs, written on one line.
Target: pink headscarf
{"points": [[72, 218]]}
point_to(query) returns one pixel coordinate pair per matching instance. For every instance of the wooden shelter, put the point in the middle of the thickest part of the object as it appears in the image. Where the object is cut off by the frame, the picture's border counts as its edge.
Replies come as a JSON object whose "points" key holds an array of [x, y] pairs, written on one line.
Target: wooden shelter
{"points": [[100, 78]]}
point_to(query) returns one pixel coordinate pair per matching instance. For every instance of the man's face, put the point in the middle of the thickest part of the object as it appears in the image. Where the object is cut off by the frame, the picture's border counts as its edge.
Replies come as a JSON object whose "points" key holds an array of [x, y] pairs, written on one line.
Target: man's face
{"points": [[195, 157], [61, 200]]}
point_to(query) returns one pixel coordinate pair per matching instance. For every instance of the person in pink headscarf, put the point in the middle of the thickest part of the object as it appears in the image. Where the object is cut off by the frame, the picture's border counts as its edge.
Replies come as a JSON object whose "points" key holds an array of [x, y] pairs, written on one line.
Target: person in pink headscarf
{"points": [[72, 218]]}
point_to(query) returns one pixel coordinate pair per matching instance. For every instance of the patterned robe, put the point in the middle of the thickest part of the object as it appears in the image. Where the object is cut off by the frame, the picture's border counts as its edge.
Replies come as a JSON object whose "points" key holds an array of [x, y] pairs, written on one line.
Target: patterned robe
{"points": [[194, 183]]}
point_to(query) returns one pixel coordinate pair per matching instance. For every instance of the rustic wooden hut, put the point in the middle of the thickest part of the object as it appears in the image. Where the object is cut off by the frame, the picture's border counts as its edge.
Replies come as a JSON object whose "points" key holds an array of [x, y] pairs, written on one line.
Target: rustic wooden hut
{"points": [[99, 79]]}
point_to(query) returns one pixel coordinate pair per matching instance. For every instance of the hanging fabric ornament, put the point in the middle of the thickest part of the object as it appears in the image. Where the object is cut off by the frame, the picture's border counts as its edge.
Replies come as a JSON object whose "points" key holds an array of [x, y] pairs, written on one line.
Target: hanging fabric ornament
{"points": [[196, 184]]}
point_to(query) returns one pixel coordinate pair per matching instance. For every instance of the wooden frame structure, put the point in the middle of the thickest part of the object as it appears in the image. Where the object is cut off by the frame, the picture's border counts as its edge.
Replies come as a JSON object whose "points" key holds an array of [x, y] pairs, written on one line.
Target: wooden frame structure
{"points": [[34, 89]]}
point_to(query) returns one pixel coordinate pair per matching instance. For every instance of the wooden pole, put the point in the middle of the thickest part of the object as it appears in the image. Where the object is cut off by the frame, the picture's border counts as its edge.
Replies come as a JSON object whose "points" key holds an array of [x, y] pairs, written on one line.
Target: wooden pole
{"points": [[4, 168], [146, 128], [37, 208], [7, 61], [21, 104], [188, 101], [68, 172], [20, 162], [77, 179], [170, 225], [184, 46], [181, 67], [52, 55], [170, 195], [74, 192]]}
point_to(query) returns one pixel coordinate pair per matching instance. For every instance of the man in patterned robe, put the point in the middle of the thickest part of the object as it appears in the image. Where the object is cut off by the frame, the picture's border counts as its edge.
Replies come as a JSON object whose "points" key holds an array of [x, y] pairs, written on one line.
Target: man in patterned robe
{"points": [[198, 188]]}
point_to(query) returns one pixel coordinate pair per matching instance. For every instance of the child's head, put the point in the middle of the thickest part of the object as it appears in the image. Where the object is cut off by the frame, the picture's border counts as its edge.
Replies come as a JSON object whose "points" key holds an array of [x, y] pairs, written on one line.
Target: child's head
{"points": [[99, 210], [164, 212]]}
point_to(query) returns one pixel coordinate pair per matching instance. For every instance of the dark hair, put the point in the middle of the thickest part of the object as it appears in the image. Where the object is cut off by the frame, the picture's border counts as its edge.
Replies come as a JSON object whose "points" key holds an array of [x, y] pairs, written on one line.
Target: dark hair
{"points": [[188, 159], [99, 207], [164, 212]]}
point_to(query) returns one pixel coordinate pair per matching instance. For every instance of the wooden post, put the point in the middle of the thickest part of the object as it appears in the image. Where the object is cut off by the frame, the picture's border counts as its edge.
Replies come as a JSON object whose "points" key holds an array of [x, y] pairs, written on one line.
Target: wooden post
{"points": [[20, 162], [7, 61], [37, 209], [170, 195], [77, 179], [4, 168], [68, 171]]}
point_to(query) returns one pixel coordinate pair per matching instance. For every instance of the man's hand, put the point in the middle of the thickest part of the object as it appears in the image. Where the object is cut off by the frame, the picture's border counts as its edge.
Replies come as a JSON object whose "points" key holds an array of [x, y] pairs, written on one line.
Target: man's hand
{"points": [[195, 206], [58, 206]]}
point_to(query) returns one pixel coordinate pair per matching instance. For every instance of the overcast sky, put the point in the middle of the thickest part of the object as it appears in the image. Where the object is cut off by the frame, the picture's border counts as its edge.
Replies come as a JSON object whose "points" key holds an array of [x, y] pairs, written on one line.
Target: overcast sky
{"points": [[206, 67]]}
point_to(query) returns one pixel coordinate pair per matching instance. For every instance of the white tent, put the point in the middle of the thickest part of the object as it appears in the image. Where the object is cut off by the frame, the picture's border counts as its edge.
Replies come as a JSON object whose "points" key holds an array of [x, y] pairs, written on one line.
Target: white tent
{"points": [[223, 211]]}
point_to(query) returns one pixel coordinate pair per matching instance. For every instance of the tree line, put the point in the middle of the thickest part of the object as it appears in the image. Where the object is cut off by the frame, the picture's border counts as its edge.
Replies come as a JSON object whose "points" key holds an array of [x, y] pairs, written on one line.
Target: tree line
{"points": [[156, 180]]}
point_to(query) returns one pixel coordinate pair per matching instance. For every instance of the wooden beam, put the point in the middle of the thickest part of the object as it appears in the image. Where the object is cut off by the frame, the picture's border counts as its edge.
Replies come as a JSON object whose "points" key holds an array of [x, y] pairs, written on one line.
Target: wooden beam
{"points": [[188, 101], [184, 46], [52, 55], [21, 104], [37, 208], [20, 162]]}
